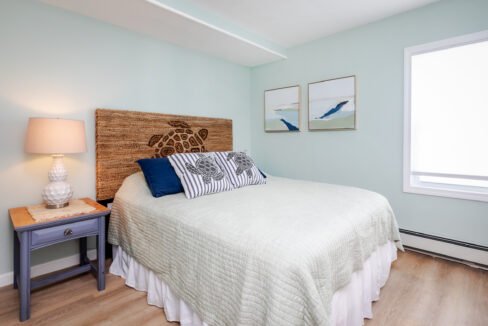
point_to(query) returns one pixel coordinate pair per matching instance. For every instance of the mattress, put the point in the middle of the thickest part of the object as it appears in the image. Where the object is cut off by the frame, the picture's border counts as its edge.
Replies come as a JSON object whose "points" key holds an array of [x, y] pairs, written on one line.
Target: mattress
{"points": [[272, 254]]}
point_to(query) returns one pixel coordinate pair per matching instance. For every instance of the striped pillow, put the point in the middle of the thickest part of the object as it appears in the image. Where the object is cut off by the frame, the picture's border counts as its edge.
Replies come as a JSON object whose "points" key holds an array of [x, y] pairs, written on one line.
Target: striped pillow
{"points": [[240, 169], [199, 174]]}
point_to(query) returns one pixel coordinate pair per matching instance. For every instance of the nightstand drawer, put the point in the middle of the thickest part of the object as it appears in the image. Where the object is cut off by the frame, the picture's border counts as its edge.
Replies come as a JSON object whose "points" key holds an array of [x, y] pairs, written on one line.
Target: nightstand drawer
{"points": [[63, 232]]}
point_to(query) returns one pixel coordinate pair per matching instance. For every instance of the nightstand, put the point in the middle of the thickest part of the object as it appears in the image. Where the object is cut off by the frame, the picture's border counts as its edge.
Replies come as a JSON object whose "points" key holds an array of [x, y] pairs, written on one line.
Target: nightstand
{"points": [[30, 235]]}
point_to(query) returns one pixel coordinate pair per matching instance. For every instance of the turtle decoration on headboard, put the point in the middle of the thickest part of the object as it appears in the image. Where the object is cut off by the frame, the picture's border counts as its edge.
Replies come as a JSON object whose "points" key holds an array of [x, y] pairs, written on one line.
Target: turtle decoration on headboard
{"points": [[124, 137], [178, 140]]}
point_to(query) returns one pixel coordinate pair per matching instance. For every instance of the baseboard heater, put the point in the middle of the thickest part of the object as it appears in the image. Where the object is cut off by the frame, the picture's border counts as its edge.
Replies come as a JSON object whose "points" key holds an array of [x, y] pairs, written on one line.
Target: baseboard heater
{"points": [[464, 252]]}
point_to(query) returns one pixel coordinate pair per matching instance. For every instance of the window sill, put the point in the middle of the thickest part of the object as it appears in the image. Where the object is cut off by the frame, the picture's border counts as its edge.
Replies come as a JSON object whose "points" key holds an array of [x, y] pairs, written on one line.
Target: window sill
{"points": [[439, 192]]}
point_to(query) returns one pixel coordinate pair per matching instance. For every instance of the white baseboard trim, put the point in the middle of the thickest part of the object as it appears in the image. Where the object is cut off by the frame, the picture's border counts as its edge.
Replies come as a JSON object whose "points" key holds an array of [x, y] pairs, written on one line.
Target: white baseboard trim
{"points": [[464, 254], [49, 267]]}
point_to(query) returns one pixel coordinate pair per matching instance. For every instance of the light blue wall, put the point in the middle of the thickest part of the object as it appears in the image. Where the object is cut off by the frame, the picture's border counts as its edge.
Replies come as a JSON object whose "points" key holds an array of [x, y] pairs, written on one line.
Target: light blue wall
{"points": [[54, 63], [370, 157]]}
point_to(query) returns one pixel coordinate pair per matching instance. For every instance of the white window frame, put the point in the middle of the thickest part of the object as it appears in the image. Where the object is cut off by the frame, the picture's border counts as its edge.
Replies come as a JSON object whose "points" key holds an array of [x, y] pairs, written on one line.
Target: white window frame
{"points": [[411, 181]]}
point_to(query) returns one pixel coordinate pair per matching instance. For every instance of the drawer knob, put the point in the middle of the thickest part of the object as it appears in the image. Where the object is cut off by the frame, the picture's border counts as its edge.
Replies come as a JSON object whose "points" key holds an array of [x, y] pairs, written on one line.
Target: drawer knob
{"points": [[68, 232]]}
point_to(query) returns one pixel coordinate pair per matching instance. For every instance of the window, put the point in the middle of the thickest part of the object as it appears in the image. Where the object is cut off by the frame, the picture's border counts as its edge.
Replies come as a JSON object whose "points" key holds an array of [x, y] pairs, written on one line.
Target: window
{"points": [[446, 118]]}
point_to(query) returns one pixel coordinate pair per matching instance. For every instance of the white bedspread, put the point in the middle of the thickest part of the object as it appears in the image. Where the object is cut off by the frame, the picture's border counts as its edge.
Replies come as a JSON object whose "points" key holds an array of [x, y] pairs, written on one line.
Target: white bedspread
{"points": [[261, 255]]}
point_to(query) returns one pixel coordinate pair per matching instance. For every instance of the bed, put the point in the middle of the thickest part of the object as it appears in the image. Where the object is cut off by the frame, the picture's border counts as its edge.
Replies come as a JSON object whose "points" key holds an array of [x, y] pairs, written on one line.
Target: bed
{"points": [[289, 252]]}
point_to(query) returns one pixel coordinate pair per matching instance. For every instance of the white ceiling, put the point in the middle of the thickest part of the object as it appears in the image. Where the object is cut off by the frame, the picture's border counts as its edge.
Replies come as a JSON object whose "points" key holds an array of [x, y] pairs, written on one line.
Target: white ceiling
{"points": [[169, 26], [238, 30], [293, 22]]}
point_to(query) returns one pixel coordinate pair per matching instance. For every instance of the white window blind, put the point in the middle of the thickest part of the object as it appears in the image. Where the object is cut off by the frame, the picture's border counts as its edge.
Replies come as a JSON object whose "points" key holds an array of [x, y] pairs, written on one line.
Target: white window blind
{"points": [[446, 105]]}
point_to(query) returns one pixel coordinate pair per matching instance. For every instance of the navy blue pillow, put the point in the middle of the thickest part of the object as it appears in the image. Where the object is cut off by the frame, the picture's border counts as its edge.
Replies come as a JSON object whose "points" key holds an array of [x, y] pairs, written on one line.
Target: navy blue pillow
{"points": [[160, 176]]}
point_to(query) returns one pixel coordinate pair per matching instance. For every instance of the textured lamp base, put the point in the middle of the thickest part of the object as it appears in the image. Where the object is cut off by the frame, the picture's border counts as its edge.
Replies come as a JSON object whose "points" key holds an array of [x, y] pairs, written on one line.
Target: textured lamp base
{"points": [[58, 192]]}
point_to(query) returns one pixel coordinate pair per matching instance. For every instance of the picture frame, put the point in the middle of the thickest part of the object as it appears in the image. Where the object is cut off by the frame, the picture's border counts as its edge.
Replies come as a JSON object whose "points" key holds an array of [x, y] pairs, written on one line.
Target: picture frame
{"points": [[282, 109], [332, 104]]}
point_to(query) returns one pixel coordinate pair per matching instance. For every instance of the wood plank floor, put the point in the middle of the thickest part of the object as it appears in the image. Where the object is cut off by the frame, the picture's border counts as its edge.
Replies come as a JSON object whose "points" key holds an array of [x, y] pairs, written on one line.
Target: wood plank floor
{"points": [[421, 291]]}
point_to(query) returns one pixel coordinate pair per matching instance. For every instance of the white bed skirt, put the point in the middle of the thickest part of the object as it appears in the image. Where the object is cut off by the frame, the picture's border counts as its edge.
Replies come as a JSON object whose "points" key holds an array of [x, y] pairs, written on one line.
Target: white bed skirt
{"points": [[350, 305]]}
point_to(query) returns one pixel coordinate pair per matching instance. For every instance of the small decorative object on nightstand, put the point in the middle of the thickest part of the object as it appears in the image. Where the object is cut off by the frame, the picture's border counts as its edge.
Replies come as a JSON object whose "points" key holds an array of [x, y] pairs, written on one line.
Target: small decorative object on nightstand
{"points": [[56, 137], [31, 234]]}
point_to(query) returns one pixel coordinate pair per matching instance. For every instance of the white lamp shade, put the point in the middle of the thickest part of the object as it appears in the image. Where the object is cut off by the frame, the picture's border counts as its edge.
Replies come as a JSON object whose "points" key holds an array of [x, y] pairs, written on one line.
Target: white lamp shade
{"points": [[55, 136]]}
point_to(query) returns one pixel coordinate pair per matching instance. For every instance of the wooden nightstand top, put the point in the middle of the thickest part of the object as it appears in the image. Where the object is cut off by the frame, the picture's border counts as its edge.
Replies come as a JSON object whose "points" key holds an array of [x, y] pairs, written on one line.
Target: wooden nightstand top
{"points": [[21, 219]]}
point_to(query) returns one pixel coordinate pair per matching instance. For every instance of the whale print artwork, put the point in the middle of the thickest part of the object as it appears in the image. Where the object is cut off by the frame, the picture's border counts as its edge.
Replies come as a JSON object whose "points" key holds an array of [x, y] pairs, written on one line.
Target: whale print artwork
{"points": [[332, 104], [282, 109]]}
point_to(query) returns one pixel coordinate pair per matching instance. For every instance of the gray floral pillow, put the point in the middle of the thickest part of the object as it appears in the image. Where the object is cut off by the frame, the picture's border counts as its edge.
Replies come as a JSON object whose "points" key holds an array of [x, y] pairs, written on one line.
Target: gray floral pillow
{"points": [[200, 174]]}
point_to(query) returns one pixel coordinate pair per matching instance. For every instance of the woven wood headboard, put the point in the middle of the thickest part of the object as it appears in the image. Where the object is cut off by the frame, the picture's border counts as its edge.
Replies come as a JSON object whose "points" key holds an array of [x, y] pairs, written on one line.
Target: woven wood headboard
{"points": [[123, 137]]}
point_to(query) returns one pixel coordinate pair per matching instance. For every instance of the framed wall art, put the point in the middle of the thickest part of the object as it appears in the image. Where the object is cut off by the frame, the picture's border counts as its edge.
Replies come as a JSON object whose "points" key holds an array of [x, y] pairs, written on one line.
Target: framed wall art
{"points": [[332, 104], [282, 109]]}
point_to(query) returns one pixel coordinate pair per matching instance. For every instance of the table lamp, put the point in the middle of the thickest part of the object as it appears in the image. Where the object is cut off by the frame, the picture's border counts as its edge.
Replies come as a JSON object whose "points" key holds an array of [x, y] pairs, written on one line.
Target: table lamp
{"points": [[56, 137]]}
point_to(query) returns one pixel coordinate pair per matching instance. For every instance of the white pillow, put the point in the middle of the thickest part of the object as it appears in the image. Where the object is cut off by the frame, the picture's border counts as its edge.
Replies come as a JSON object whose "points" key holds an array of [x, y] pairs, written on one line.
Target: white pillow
{"points": [[240, 169], [199, 174]]}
